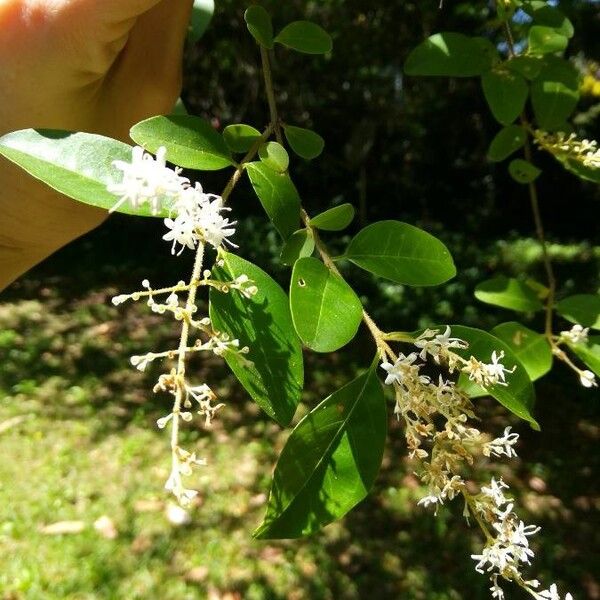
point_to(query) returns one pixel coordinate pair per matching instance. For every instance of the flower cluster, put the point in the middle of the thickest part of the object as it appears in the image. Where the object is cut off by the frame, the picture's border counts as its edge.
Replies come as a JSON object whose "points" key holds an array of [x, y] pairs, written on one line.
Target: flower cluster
{"points": [[565, 147], [194, 216], [576, 336], [436, 415]]}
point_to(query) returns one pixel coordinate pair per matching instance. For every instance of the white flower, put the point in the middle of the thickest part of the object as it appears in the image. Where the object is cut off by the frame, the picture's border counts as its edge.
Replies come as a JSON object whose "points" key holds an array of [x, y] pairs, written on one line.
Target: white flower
{"points": [[495, 493], [182, 232], [587, 379], [552, 594], [576, 335], [497, 591], [486, 375], [436, 344], [396, 371], [146, 180], [502, 445]]}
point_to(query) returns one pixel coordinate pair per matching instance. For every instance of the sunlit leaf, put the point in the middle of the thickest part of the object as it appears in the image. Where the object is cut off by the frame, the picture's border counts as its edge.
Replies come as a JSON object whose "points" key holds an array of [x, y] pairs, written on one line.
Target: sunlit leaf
{"points": [[300, 244], [589, 353], [240, 138], [304, 142], [506, 94], [304, 36], [334, 219], [275, 156], [508, 293], [259, 24], [581, 308]]}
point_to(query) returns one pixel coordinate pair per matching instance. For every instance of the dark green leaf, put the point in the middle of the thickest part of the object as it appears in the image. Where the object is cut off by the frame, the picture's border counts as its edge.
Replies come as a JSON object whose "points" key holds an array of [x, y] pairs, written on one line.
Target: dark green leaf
{"points": [[506, 94], [581, 308], [550, 16], [527, 66], [507, 141], [530, 347], [300, 244], [264, 324], [191, 142], [304, 142], [452, 55], [589, 353], [259, 24], [523, 171], [545, 40], [334, 219], [240, 138], [402, 253], [554, 93], [275, 156], [580, 170], [304, 36], [78, 165], [325, 310], [508, 293], [518, 396], [278, 195], [329, 462], [202, 13]]}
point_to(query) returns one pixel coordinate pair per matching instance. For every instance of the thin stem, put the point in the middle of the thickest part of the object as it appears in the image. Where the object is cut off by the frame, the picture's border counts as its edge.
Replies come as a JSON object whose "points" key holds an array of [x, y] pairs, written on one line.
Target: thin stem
{"points": [[268, 77]]}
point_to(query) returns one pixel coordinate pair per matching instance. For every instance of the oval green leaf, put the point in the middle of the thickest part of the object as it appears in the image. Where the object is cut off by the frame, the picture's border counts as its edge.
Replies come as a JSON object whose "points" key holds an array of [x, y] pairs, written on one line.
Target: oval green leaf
{"points": [[304, 142], [263, 323], [581, 308], [202, 12], [274, 155], [589, 353], [530, 347], [304, 36], [527, 66], [518, 395], [550, 16], [259, 24], [300, 244], [191, 142], [507, 141], [278, 195], [78, 165], [546, 40], [523, 171], [329, 462], [508, 293], [240, 138], [506, 94], [401, 253], [334, 219], [554, 93], [452, 55], [325, 309]]}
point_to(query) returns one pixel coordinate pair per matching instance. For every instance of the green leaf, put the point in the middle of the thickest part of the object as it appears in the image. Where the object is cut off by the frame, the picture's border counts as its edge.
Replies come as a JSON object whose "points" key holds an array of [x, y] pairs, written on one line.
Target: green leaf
{"points": [[581, 308], [329, 462], [589, 353], [334, 219], [530, 347], [550, 16], [508, 293], [580, 170], [191, 142], [518, 396], [506, 94], [304, 142], [546, 40], [401, 253], [278, 195], [527, 66], [275, 156], [523, 171], [451, 54], [78, 165], [507, 141], [240, 138], [259, 24], [304, 36], [554, 93], [300, 244], [264, 324], [202, 13], [325, 310]]}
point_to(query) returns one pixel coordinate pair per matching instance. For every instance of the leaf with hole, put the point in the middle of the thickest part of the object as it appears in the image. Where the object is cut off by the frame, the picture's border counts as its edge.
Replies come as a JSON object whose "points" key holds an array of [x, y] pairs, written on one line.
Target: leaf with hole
{"points": [[334, 219], [508, 293], [401, 253], [330, 461], [275, 374], [523, 171], [79, 165], [304, 142], [581, 308], [452, 55], [304, 36], [507, 141], [325, 309], [191, 142], [278, 195], [530, 347], [259, 24]]}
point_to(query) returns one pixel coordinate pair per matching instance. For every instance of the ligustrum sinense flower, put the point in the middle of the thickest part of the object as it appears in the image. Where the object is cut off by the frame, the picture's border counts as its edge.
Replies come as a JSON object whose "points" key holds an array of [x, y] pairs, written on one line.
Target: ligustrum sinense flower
{"points": [[195, 219], [439, 436]]}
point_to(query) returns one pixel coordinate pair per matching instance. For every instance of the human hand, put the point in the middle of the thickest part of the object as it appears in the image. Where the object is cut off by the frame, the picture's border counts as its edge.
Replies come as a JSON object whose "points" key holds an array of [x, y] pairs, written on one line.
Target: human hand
{"points": [[82, 65]]}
